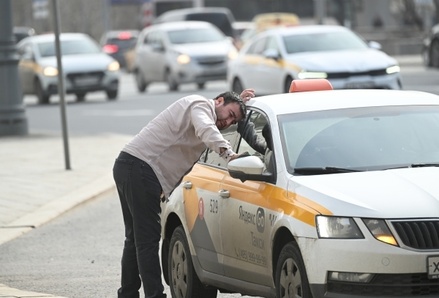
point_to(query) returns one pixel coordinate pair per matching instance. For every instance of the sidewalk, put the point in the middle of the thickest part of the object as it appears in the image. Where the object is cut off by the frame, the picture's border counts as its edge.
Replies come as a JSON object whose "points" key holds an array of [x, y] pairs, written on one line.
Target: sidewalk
{"points": [[35, 186]]}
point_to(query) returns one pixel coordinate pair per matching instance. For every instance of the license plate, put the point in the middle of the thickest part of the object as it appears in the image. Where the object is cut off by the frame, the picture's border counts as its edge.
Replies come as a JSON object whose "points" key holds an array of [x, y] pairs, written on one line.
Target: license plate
{"points": [[86, 81], [433, 267], [359, 85]]}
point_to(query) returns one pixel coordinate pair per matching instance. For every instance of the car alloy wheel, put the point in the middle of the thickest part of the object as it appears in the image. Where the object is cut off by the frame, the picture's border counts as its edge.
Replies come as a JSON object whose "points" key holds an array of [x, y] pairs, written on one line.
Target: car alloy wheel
{"points": [[291, 280], [184, 282]]}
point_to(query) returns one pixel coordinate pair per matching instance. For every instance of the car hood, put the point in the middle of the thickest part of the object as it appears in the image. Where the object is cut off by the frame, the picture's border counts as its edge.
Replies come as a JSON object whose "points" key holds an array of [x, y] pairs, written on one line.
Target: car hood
{"points": [[400, 193], [205, 48], [75, 63], [342, 61]]}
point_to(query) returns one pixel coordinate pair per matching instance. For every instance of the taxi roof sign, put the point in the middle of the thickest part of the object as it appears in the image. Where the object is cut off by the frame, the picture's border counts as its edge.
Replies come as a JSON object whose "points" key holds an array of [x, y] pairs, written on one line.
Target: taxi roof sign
{"points": [[310, 85], [266, 21]]}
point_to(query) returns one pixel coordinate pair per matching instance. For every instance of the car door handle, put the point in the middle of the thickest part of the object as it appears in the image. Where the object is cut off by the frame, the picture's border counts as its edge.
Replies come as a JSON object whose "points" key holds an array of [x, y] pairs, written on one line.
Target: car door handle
{"points": [[224, 193], [187, 185]]}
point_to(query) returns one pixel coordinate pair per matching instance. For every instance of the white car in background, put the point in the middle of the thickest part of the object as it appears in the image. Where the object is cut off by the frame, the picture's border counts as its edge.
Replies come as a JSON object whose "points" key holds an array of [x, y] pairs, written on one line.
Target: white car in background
{"points": [[347, 205], [180, 53], [86, 67], [275, 57]]}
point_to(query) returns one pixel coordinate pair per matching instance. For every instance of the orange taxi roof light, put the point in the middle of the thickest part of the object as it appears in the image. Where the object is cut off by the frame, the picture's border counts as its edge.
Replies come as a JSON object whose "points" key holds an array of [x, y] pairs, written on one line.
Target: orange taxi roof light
{"points": [[310, 85]]}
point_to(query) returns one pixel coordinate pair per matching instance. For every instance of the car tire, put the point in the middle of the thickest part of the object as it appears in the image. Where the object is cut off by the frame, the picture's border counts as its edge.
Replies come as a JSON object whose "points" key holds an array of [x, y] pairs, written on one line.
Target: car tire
{"points": [[43, 97], [434, 53], [291, 279], [140, 81], [183, 280], [172, 83], [112, 94], [287, 85], [237, 86], [80, 96]]}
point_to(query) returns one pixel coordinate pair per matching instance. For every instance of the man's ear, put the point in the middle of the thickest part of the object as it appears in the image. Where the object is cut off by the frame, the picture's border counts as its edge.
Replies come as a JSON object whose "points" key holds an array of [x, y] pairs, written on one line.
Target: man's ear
{"points": [[219, 101]]}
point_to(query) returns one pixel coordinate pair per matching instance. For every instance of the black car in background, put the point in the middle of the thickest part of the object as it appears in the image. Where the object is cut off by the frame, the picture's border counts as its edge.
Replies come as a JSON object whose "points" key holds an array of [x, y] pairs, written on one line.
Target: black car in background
{"points": [[116, 43], [430, 48]]}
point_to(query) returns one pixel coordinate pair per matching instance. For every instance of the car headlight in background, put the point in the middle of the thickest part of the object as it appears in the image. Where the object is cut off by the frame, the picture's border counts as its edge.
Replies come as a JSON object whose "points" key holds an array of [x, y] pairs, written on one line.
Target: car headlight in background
{"points": [[312, 75], [50, 71], [183, 59], [113, 66], [393, 69], [380, 231], [337, 227]]}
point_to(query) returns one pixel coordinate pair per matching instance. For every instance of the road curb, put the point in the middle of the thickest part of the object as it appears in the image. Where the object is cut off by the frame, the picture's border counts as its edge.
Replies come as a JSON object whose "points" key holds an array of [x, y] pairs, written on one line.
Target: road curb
{"points": [[56, 207], [16, 293]]}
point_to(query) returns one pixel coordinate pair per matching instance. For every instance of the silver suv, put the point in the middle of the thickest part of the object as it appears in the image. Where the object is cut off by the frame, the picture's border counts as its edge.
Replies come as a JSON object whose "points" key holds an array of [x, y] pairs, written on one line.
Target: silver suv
{"points": [[181, 52]]}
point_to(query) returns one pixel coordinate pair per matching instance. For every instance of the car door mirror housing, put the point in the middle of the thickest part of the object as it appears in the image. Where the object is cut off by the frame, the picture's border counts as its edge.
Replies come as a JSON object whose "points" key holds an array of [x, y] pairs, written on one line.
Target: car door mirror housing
{"points": [[272, 54], [248, 168]]}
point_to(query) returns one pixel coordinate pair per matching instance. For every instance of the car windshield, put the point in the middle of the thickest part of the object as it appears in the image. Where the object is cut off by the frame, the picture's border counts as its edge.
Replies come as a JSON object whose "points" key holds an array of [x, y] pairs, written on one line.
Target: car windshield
{"points": [[362, 139], [325, 41], [126, 43], [69, 47], [195, 35]]}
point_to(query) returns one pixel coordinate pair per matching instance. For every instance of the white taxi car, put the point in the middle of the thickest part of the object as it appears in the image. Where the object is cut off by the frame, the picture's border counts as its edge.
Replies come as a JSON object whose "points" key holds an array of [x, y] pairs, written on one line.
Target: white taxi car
{"points": [[275, 57], [343, 201]]}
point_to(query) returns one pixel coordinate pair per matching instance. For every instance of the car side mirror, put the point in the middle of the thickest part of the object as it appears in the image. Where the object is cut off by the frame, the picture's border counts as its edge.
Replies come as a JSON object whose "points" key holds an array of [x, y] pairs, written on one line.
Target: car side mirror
{"points": [[272, 54], [374, 45], [248, 168]]}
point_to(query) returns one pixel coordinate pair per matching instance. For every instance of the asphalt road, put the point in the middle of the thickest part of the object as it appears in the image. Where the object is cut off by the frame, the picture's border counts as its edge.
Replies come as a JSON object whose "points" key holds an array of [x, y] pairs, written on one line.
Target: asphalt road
{"points": [[76, 255]]}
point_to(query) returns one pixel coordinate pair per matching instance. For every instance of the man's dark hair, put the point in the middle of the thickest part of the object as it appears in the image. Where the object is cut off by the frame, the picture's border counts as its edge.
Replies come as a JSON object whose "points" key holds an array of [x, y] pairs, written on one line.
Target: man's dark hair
{"points": [[229, 97]]}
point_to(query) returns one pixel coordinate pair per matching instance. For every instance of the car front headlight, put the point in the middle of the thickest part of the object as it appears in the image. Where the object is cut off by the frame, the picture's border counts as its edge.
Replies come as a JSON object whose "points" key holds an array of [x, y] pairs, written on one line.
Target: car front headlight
{"points": [[183, 59], [50, 71], [233, 53], [393, 69], [113, 66], [312, 75], [380, 231], [337, 227]]}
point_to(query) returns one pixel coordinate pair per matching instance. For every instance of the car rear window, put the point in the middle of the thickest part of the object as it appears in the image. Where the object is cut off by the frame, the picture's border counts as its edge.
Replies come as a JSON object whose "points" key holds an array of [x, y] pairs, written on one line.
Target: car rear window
{"points": [[195, 35], [218, 19]]}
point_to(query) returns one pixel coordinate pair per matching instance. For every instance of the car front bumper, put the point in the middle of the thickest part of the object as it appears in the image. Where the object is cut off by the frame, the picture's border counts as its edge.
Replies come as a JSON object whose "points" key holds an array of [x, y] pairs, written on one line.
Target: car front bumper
{"points": [[394, 271], [83, 82]]}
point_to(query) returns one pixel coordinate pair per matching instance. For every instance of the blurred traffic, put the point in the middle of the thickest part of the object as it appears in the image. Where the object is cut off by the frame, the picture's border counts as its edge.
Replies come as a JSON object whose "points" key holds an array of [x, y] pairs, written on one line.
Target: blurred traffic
{"points": [[117, 43], [275, 57], [85, 67], [266, 53], [181, 52]]}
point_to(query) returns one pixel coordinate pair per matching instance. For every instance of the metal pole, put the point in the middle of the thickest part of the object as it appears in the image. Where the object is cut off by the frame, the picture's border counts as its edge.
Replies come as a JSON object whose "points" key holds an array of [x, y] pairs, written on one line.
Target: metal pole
{"points": [[198, 3], [61, 90], [320, 11], [13, 119]]}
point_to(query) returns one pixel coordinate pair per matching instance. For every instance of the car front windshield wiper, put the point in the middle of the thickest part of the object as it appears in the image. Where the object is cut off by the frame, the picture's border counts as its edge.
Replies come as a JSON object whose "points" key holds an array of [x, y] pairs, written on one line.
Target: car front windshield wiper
{"points": [[423, 165], [415, 165], [322, 170]]}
